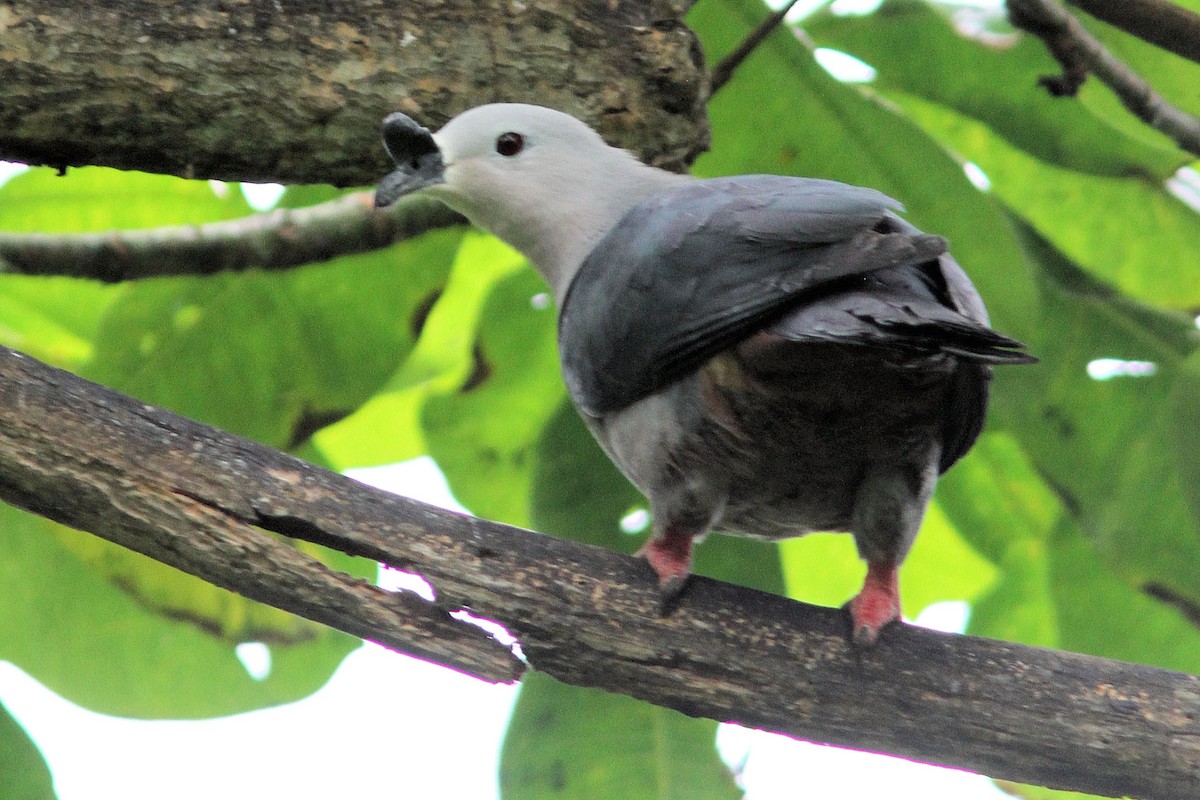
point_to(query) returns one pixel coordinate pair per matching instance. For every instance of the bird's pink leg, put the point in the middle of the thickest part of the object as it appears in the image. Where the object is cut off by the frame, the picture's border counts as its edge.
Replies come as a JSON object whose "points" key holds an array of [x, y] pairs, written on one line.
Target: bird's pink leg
{"points": [[670, 556], [877, 604]]}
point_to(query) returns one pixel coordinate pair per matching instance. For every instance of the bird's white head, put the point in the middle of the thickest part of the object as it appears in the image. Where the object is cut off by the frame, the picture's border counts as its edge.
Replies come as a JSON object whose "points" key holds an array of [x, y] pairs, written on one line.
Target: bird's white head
{"points": [[538, 178]]}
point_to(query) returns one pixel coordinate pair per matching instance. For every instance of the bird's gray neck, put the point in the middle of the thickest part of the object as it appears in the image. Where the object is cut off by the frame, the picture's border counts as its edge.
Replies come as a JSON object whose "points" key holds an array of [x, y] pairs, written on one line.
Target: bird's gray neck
{"points": [[557, 230]]}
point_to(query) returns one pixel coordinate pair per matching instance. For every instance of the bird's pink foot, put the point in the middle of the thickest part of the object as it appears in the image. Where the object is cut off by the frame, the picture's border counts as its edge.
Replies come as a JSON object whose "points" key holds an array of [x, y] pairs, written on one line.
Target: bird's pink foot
{"points": [[670, 556], [877, 604]]}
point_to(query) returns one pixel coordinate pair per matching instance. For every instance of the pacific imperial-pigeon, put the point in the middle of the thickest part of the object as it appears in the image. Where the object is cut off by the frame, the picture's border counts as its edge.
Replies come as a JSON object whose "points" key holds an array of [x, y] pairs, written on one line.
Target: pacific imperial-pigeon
{"points": [[760, 355]]}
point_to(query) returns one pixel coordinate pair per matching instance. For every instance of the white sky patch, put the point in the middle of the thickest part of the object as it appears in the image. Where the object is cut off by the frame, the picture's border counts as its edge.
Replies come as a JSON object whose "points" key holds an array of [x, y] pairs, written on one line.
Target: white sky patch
{"points": [[847, 8], [1184, 185], [802, 8], [256, 658], [419, 479], [9, 170], [843, 66], [635, 521], [978, 178], [262, 196], [398, 580], [1105, 369], [773, 767], [948, 616]]}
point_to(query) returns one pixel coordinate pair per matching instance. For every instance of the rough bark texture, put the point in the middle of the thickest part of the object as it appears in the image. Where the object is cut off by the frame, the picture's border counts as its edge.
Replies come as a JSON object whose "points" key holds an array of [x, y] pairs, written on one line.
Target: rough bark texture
{"points": [[295, 90], [197, 498], [1159, 22]]}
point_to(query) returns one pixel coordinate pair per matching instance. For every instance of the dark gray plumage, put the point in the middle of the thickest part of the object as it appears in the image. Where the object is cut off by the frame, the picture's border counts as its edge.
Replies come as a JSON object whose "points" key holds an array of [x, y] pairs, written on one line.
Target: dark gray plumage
{"points": [[695, 269], [761, 355]]}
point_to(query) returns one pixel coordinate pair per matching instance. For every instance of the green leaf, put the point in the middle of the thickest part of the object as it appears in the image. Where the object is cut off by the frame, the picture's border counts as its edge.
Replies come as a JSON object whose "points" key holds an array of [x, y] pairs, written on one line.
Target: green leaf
{"points": [[1105, 445], [445, 357], [569, 742], [1128, 231], [56, 319], [52, 319], [1040, 792], [996, 499], [577, 492], [1019, 606], [1185, 416], [26, 776], [384, 430], [1001, 506], [1100, 614], [92, 199], [91, 642], [484, 435], [825, 569], [182, 598], [271, 356], [993, 79]]}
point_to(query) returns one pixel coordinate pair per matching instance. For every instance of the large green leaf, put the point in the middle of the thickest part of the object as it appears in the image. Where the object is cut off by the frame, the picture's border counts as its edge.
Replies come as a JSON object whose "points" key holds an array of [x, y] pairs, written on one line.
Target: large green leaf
{"points": [[56, 319], [918, 50], [1107, 446], [1101, 614], [271, 356], [601, 745], [25, 774], [1054, 590], [1185, 415], [1129, 231], [484, 435], [93, 643], [100, 199]]}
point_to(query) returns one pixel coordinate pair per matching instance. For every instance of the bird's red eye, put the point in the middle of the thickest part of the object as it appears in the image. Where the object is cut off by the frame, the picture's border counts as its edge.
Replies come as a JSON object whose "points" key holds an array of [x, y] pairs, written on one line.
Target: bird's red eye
{"points": [[509, 144]]}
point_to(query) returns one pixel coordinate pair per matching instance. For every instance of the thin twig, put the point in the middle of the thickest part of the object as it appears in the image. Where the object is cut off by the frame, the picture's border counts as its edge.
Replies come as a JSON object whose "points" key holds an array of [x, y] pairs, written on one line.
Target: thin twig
{"points": [[278, 239], [1158, 22], [1079, 53], [723, 71]]}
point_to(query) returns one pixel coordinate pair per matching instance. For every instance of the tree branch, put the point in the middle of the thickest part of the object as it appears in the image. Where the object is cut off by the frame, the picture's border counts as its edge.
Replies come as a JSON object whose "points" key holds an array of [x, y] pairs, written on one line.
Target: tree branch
{"points": [[723, 71], [1159, 22], [1079, 53], [277, 239], [294, 92], [198, 499]]}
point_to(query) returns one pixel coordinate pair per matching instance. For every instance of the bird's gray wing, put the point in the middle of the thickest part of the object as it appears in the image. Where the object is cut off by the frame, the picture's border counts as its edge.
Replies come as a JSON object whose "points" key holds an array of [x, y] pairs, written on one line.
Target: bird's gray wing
{"points": [[693, 270]]}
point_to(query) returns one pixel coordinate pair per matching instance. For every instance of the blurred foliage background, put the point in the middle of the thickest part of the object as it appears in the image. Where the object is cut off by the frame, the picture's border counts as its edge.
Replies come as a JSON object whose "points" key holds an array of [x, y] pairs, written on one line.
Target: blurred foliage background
{"points": [[1073, 524]]}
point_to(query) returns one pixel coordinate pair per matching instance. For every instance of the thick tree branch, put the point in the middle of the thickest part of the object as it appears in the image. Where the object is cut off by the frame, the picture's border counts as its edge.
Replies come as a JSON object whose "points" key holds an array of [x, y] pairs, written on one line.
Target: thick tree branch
{"points": [[1080, 53], [295, 91], [1159, 22], [198, 499], [277, 239]]}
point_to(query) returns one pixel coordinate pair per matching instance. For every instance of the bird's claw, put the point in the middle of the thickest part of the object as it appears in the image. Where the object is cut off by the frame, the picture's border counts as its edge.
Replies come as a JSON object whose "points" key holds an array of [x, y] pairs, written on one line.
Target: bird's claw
{"points": [[670, 556], [875, 606]]}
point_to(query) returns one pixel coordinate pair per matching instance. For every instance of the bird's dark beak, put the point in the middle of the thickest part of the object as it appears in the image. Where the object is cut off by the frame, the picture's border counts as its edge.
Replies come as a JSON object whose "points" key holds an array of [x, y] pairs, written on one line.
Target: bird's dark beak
{"points": [[418, 160]]}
